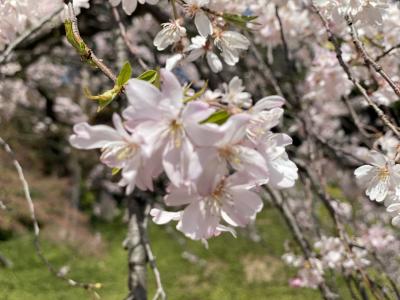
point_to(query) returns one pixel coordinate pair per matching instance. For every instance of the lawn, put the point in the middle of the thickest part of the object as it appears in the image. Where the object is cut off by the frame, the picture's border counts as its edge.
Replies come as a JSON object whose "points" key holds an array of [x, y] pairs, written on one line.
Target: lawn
{"points": [[230, 269]]}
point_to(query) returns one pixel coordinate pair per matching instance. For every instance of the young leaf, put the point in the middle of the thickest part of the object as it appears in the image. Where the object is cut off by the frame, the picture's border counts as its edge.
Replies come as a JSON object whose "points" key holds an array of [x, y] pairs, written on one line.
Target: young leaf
{"points": [[219, 117], [124, 75], [151, 76], [105, 98]]}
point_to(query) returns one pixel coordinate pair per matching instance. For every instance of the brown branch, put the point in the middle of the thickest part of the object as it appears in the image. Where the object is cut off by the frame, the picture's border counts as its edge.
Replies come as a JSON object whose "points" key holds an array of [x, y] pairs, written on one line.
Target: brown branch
{"points": [[367, 58], [291, 221], [387, 52], [333, 39], [90, 54]]}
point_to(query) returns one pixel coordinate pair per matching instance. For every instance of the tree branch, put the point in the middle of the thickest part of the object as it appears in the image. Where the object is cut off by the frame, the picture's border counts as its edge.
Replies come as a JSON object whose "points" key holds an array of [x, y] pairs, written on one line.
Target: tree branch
{"points": [[332, 38]]}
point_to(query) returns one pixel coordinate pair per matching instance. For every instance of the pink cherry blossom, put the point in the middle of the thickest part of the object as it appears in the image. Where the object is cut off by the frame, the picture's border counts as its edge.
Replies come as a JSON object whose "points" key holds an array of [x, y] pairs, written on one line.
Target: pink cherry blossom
{"points": [[119, 149], [228, 199]]}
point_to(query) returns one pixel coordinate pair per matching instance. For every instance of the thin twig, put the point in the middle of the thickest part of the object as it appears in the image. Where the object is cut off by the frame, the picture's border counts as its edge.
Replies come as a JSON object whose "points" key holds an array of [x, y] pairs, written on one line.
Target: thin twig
{"points": [[333, 39], [291, 221], [264, 68], [386, 52], [356, 119], [319, 188], [160, 293], [367, 58]]}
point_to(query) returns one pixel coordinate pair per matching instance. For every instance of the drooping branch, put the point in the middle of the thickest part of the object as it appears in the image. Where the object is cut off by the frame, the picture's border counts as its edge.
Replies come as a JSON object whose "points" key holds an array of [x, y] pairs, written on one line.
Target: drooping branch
{"points": [[333, 39], [368, 59], [160, 293], [290, 219], [92, 287]]}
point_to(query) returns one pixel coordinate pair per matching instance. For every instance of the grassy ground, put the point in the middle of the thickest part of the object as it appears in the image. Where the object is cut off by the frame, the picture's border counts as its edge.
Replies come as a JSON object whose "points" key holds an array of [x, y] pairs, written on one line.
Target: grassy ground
{"points": [[230, 269]]}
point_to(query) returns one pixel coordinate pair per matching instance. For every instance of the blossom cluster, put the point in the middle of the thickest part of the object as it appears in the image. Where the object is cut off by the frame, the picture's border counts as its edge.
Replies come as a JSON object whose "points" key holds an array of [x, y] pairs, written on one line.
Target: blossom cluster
{"points": [[365, 11], [215, 150], [331, 254], [213, 34]]}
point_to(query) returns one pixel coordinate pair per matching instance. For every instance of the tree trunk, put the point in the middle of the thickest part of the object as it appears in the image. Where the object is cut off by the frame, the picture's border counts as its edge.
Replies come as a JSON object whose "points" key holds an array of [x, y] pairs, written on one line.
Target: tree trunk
{"points": [[136, 251]]}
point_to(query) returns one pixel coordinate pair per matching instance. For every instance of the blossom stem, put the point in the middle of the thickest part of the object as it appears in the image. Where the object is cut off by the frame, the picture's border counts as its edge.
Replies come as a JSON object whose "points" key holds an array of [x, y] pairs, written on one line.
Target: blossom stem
{"points": [[174, 9]]}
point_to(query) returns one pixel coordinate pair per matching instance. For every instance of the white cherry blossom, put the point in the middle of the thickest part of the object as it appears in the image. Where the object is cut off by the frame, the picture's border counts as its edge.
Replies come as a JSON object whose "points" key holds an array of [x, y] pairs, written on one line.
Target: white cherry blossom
{"points": [[230, 43], [171, 33], [379, 177]]}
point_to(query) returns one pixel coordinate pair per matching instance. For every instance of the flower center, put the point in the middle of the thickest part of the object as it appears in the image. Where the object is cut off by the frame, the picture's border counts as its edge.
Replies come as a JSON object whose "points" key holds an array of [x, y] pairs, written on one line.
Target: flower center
{"points": [[383, 173], [176, 131], [230, 154], [120, 152]]}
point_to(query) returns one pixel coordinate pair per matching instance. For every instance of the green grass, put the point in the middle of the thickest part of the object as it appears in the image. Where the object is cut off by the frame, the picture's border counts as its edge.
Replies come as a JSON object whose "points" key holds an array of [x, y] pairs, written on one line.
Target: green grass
{"points": [[234, 269]]}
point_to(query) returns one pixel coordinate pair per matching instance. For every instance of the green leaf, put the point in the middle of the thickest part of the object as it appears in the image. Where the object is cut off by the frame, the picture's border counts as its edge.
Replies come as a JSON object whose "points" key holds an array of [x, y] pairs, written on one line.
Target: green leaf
{"points": [[239, 20], [198, 94], [219, 117], [124, 75], [151, 76], [105, 98]]}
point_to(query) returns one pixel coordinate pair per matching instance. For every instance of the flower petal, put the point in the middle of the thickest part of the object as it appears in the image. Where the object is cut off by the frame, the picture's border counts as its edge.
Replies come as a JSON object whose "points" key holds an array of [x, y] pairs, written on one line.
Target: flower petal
{"points": [[203, 24], [92, 137]]}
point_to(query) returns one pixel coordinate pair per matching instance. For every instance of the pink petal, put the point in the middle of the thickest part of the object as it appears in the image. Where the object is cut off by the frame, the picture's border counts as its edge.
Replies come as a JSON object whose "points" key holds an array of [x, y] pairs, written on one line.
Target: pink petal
{"points": [[179, 196], [162, 217], [92, 137], [198, 222], [245, 206], [170, 87]]}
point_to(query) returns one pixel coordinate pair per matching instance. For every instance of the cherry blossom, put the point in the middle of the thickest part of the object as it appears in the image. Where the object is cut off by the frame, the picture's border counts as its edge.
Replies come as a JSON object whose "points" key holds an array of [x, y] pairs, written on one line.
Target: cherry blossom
{"points": [[230, 43], [171, 33], [119, 149], [381, 176], [228, 199], [199, 47]]}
